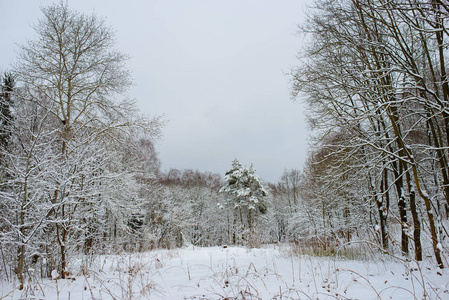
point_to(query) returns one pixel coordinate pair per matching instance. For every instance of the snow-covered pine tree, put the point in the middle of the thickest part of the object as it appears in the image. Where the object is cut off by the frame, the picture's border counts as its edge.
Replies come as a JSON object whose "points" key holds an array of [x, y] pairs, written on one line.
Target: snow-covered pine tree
{"points": [[246, 195], [244, 187]]}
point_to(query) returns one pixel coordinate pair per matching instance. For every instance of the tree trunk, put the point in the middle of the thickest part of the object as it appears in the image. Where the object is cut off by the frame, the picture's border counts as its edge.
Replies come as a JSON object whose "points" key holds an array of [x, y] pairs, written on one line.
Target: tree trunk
{"points": [[382, 209], [20, 263], [399, 183], [250, 219], [61, 233], [416, 222], [21, 250]]}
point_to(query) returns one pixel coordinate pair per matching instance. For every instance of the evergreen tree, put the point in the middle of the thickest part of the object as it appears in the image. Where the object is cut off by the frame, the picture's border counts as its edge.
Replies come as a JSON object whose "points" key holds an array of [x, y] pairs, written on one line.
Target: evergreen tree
{"points": [[7, 87], [246, 196], [244, 187]]}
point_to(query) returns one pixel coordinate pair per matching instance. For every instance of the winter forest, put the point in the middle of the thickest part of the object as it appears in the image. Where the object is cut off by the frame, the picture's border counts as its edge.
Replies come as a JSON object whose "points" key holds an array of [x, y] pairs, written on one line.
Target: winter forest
{"points": [[82, 190]]}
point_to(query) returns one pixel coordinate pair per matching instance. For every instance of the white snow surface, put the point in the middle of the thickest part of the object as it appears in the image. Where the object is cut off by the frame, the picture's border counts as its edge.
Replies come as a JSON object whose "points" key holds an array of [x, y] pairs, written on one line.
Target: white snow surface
{"points": [[231, 272]]}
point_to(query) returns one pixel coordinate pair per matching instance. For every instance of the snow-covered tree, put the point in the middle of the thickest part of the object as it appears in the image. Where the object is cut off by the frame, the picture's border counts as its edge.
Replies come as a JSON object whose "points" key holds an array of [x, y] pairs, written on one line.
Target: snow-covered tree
{"points": [[246, 196], [376, 74], [244, 187], [7, 87], [71, 169]]}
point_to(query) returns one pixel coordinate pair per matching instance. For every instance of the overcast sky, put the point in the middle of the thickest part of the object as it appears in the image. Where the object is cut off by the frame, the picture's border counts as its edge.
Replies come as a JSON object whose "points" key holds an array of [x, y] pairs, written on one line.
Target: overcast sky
{"points": [[215, 69]]}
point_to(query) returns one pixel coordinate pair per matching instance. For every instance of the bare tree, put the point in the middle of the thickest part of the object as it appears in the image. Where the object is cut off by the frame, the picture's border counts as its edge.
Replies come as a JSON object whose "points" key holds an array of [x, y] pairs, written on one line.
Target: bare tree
{"points": [[370, 72], [72, 64]]}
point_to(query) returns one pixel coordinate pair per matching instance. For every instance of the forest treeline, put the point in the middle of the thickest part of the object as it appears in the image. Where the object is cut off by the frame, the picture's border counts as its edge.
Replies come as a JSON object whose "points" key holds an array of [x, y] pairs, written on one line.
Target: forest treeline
{"points": [[80, 174]]}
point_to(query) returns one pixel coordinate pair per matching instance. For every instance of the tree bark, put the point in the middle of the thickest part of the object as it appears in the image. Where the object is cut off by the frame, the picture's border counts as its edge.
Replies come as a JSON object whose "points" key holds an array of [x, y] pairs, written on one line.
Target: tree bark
{"points": [[415, 217], [382, 209], [399, 183]]}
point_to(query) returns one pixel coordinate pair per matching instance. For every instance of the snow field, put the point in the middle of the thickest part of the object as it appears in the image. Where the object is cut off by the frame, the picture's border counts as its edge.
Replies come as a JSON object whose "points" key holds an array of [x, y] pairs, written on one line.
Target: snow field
{"points": [[237, 273]]}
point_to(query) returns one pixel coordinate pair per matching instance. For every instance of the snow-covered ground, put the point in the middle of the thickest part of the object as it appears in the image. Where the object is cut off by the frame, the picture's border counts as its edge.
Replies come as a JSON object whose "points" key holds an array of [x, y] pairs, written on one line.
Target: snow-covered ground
{"points": [[237, 273]]}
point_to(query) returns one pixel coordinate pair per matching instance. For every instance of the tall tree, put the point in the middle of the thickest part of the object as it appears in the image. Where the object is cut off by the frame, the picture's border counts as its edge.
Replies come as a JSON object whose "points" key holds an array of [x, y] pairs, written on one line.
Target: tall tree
{"points": [[73, 66], [246, 195], [371, 71]]}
